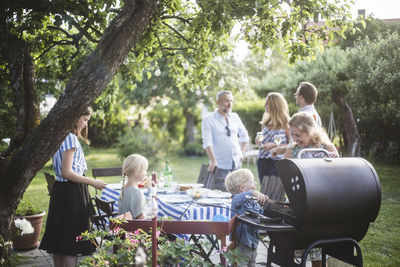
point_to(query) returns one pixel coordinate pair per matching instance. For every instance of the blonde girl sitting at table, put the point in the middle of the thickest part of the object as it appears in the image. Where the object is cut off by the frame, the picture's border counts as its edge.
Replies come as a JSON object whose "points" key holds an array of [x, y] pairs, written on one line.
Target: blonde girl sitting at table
{"points": [[307, 134], [132, 199]]}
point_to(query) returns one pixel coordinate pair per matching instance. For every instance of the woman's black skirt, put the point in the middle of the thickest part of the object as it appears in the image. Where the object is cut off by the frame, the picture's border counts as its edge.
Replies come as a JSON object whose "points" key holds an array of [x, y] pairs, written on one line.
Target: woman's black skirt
{"points": [[68, 217]]}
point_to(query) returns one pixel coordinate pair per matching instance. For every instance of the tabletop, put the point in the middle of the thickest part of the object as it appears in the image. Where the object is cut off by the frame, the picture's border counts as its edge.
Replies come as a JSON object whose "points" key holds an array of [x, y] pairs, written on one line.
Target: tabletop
{"points": [[179, 205]]}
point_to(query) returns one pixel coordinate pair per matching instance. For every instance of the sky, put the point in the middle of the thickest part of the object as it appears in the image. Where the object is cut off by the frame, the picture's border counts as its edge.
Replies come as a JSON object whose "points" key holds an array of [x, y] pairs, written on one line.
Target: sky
{"points": [[381, 9]]}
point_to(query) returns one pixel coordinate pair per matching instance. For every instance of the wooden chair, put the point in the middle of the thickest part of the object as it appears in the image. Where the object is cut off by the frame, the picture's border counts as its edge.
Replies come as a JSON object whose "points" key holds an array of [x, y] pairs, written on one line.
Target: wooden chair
{"points": [[50, 181], [273, 188], [105, 211], [106, 172], [202, 174], [215, 182]]}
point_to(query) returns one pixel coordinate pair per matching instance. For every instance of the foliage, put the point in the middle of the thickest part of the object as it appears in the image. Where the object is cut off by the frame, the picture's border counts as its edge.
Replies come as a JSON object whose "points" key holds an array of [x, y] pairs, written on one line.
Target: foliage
{"points": [[371, 29], [250, 112], [142, 142], [120, 247], [194, 149], [26, 208], [106, 125], [375, 66], [167, 123]]}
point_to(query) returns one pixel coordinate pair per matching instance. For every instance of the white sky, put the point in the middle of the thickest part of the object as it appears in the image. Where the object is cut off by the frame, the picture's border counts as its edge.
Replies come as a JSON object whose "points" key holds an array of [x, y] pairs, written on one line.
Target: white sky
{"points": [[381, 9]]}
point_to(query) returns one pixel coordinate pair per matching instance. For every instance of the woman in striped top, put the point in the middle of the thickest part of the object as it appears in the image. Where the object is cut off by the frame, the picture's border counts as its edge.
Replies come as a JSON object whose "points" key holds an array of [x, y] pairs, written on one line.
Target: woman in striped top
{"points": [[275, 122], [69, 201]]}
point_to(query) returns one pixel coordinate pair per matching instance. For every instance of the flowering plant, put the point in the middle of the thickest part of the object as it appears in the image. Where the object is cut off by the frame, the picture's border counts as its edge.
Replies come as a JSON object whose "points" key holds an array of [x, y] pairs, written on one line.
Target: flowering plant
{"points": [[24, 226], [122, 248]]}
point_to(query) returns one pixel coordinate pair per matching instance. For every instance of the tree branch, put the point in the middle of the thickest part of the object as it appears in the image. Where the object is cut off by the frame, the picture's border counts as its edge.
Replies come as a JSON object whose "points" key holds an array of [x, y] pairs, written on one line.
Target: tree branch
{"points": [[176, 31]]}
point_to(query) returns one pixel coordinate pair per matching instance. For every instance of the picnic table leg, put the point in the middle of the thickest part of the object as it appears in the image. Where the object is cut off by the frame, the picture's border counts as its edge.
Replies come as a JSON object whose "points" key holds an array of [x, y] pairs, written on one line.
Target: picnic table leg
{"points": [[222, 238], [201, 251], [154, 242]]}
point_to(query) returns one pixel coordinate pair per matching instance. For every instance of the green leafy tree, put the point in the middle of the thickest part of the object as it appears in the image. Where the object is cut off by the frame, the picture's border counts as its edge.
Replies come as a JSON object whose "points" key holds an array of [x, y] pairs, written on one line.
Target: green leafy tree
{"points": [[376, 76], [89, 40]]}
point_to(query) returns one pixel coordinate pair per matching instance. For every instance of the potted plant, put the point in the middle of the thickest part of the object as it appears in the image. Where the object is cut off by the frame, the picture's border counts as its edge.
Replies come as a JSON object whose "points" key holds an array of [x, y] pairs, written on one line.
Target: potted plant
{"points": [[27, 226]]}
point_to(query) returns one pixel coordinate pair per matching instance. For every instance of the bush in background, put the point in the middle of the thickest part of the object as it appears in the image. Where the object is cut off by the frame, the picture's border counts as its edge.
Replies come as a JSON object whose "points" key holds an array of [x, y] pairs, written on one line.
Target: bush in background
{"points": [[250, 112], [142, 142]]}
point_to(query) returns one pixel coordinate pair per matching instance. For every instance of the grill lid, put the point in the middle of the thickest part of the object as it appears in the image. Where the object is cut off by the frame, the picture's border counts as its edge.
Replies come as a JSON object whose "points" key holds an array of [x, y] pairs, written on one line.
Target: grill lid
{"points": [[331, 190]]}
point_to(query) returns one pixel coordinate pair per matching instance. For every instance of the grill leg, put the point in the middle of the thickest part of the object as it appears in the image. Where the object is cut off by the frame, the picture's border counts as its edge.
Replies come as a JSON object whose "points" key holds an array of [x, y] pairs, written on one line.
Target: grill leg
{"points": [[280, 257], [340, 248]]}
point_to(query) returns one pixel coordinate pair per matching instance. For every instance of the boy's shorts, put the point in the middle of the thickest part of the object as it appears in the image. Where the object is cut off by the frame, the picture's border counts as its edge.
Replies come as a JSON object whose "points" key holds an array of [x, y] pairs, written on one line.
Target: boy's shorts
{"points": [[249, 253]]}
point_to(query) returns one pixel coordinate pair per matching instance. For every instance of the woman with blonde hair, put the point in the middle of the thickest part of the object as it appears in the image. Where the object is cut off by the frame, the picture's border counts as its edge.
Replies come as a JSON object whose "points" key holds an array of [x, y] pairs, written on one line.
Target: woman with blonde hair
{"points": [[274, 126], [307, 134]]}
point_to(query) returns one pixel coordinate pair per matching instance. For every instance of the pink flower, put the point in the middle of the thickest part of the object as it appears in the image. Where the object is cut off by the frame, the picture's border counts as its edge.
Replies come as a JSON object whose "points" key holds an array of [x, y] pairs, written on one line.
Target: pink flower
{"points": [[158, 234], [137, 232]]}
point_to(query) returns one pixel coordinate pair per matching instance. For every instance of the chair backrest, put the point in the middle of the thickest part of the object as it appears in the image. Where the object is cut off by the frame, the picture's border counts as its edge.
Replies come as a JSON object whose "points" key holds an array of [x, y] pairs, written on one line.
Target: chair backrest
{"points": [[273, 188], [104, 206], [215, 182], [50, 181], [105, 172], [110, 171], [202, 174]]}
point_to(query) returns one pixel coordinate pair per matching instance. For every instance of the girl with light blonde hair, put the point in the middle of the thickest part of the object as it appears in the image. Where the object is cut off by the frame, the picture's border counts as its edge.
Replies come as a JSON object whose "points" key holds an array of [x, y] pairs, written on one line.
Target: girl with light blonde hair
{"points": [[132, 198]]}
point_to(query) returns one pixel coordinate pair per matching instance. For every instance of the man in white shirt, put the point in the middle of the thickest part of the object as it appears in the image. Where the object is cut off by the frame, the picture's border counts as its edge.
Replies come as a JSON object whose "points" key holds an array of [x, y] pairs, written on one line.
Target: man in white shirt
{"points": [[224, 136], [305, 97]]}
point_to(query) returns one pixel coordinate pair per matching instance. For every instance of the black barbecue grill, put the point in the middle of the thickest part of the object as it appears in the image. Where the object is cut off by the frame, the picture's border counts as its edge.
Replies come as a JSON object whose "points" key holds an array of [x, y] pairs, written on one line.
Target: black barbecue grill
{"points": [[332, 201]]}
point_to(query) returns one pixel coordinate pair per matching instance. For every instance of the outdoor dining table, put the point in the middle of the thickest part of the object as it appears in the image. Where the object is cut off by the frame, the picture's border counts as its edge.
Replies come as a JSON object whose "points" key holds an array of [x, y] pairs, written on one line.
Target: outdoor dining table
{"points": [[191, 218]]}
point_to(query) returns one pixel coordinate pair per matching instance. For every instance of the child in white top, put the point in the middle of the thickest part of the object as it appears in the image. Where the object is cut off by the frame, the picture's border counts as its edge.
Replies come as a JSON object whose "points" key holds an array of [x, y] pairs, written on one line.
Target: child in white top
{"points": [[132, 198]]}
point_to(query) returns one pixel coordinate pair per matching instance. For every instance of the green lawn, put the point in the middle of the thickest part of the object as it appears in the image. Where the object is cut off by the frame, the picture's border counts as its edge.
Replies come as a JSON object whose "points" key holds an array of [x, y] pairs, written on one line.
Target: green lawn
{"points": [[380, 247]]}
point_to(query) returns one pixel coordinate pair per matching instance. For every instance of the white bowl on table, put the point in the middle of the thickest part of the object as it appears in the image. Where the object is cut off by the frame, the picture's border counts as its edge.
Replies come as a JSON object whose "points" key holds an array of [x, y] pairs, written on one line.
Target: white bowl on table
{"points": [[198, 192]]}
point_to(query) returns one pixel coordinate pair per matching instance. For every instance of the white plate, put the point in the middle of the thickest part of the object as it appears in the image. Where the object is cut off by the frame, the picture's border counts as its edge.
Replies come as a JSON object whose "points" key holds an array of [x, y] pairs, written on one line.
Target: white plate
{"points": [[219, 194], [176, 199], [211, 201], [193, 185]]}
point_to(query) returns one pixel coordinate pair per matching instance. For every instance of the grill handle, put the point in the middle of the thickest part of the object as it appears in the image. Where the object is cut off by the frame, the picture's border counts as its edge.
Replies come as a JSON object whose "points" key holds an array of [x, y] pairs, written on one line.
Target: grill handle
{"points": [[313, 150]]}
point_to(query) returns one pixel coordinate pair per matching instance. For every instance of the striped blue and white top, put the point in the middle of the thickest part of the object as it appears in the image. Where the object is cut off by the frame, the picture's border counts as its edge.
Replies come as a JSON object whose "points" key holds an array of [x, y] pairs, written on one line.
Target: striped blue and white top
{"points": [[78, 164], [269, 137]]}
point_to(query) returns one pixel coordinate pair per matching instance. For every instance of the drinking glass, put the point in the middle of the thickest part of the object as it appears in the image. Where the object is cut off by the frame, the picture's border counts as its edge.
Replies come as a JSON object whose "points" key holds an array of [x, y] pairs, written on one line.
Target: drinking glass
{"points": [[278, 139], [150, 208]]}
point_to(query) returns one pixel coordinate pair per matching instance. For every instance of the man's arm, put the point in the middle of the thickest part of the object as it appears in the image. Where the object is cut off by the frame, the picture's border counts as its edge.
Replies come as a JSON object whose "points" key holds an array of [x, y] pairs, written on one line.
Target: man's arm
{"points": [[206, 134], [211, 156]]}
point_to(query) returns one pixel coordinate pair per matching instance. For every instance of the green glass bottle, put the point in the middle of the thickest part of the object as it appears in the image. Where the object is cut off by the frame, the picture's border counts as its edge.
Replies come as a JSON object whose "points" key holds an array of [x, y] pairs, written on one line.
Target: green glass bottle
{"points": [[167, 174]]}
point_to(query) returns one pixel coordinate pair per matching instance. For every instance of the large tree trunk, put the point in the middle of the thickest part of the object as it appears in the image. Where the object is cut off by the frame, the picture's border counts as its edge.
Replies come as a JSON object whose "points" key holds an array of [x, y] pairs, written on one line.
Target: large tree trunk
{"points": [[18, 169], [350, 132], [190, 125]]}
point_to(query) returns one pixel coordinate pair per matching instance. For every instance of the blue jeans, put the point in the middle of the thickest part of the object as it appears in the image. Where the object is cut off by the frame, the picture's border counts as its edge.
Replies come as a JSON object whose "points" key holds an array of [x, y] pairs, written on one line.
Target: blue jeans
{"points": [[266, 167]]}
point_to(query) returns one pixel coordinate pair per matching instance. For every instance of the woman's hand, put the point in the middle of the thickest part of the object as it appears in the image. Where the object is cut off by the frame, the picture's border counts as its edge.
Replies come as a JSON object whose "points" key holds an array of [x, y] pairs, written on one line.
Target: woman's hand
{"points": [[268, 146], [261, 198], [98, 184]]}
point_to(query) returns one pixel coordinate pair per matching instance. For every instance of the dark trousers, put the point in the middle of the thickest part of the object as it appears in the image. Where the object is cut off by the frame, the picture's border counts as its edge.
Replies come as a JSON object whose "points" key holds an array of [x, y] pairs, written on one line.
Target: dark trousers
{"points": [[266, 167]]}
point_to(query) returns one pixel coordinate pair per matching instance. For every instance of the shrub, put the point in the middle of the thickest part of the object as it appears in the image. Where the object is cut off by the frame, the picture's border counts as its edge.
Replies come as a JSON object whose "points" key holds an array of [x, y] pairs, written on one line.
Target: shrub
{"points": [[251, 112], [194, 149], [141, 142], [26, 209]]}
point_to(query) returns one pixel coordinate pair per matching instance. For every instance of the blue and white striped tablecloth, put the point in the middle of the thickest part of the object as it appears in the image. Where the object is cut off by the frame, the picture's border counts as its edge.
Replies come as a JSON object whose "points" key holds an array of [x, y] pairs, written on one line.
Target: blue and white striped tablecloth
{"points": [[177, 211]]}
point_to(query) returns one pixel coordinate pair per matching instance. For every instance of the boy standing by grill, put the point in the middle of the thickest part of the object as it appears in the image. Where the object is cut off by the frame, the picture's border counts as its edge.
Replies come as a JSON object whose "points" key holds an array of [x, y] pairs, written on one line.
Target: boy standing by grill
{"points": [[241, 184]]}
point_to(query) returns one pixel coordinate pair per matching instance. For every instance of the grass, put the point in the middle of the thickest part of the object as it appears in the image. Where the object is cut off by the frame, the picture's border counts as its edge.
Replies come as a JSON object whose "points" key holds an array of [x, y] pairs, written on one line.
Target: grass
{"points": [[380, 247]]}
